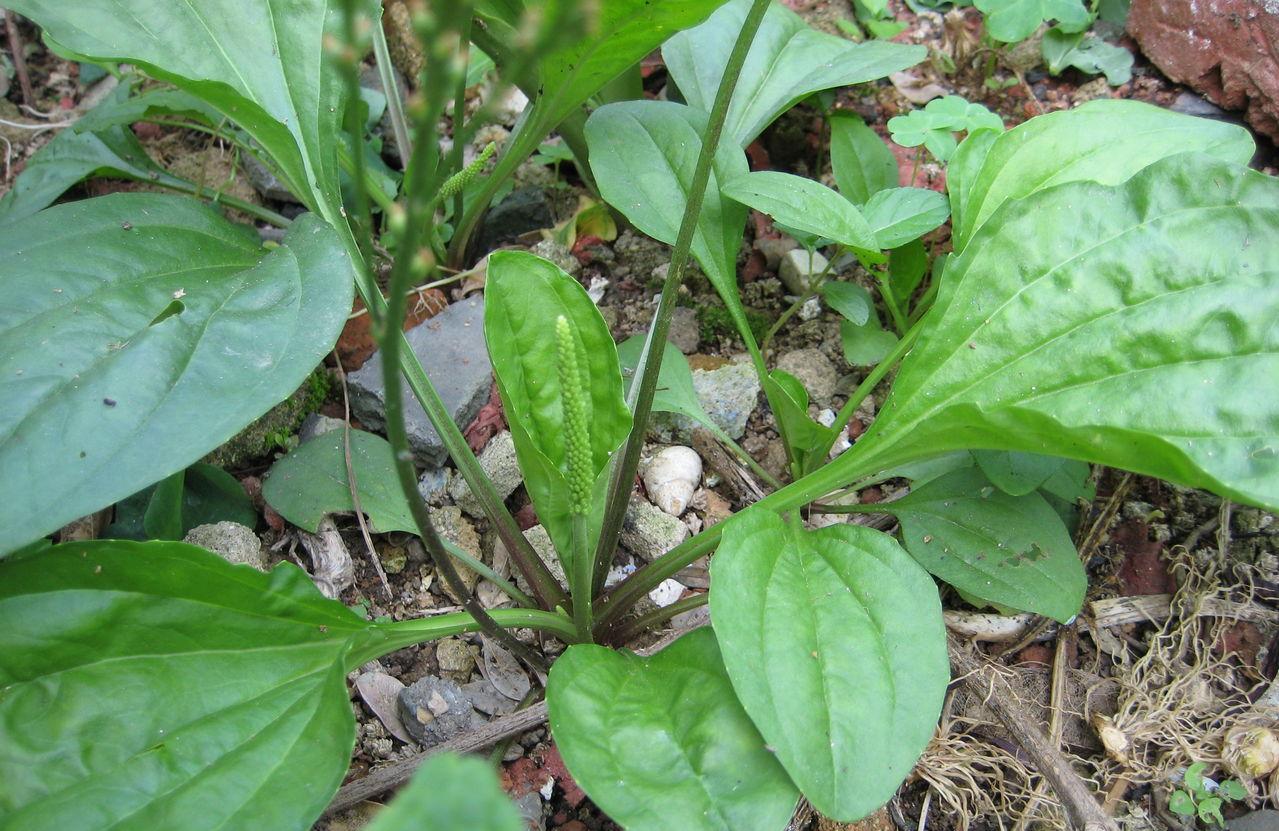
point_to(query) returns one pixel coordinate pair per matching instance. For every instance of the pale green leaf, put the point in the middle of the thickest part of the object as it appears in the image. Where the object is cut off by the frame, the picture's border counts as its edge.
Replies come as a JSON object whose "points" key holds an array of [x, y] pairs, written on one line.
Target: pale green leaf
{"points": [[150, 331], [799, 202], [861, 161], [899, 215], [450, 793], [662, 742], [835, 645], [311, 481], [1104, 141], [786, 63]]}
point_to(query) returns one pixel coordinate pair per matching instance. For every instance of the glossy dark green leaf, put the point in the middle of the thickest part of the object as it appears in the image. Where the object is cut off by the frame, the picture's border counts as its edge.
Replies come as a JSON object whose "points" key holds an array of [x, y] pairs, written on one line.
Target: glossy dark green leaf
{"points": [[899, 215], [163, 517], [124, 321], [1010, 550], [524, 296], [1011, 21], [311, 481], [1017, 473], [73, 156], [806, 441], [787, 62], [209, 494], [643, 154], [262, 65], [153, 685], [810, 206], [861, 161], [850, 300], [1138, 332], [450, 793], [835, 645], [1104, 141], [662, 742]]}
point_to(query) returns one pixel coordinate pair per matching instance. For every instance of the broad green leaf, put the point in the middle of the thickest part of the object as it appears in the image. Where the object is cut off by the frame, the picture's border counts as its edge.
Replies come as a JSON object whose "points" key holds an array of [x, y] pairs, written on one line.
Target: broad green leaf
{"points": [[868, 344], [806, 441], [154, 685], [786, 63], [861, 161], [1087, 54], [1011, 21], [524, 296], [209, 494], [643, 154], [662, 742], [807, 205], [1009, 550], [835, 645], [149, 330], [850, 300], [311, 481], [1136, 332], [935, 125], [907, 266], [73, 156], [450, 793], [1017, 474], [261, 64], [1104, 141], [899, 215]]}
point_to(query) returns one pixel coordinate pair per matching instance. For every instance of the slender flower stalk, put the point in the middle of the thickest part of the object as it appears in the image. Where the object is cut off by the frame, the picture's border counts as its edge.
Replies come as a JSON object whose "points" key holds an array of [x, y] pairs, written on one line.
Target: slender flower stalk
{"points": [[626, 463]]}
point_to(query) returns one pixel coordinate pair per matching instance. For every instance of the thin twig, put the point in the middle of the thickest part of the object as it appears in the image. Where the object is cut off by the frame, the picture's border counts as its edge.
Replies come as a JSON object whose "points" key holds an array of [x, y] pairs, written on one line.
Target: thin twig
{"points": [[353, 485], [1082, 810], [19, 59]]}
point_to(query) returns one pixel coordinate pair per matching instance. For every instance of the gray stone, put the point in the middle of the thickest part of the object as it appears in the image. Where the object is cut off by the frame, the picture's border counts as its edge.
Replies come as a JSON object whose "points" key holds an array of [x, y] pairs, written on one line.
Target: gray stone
{"points": [[231, 541], [1263, 820], [728, 394], [541, 542], [316, 425], [773, 249], [486, 698], [685, 332], [799, 267], [264, 181], [451, 347], [435, 710], [502, 468], [561, 255], [649, 532], [524, 210], [433, 484], [380, 693], [1192, 104], [814, 370]]}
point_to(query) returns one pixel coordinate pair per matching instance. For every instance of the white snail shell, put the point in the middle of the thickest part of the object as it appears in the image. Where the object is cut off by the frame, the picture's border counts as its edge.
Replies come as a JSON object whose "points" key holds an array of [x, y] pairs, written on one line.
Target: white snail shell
{"points": [[671, 477]]}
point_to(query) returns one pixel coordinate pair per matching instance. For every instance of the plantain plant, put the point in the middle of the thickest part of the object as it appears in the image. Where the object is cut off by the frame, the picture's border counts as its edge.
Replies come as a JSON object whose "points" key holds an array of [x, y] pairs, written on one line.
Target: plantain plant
{"points": [[1109, 299]]}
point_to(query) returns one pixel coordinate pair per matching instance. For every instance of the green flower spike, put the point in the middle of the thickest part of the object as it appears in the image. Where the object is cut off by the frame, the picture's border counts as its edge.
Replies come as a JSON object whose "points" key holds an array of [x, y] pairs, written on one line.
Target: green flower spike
{"points": [[577, 442]]}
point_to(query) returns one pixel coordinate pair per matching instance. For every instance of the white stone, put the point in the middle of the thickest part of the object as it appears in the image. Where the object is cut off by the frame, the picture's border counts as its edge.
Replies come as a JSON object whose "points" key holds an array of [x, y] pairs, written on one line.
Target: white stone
{"points": [[666, 593], [799, 267], [671, 477]]}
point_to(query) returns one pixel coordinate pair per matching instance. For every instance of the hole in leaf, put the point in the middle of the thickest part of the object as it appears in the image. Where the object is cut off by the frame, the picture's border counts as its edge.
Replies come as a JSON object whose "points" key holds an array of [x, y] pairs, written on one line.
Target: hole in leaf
{"points": [[177, 307]]}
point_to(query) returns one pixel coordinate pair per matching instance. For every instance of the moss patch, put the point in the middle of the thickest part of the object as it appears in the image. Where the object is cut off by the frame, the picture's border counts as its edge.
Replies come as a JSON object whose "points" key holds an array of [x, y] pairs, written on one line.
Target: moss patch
{"points": [[276, 430]]}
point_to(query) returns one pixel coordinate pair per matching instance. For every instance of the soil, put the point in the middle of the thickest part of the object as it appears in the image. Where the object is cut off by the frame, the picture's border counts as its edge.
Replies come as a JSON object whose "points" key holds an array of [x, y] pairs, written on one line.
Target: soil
{"points": [[1141, 536]]}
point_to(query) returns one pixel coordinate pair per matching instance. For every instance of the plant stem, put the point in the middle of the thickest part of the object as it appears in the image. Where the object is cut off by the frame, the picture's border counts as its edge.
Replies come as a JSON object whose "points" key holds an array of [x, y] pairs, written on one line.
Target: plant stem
{"points": [[583, 582], [478, 566], [402, 633], [890, 302], [457, 153], [925, 300], [872, 380], [632, 628], [394, 105], [814, 286], [622, 477], [256, 211]]}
